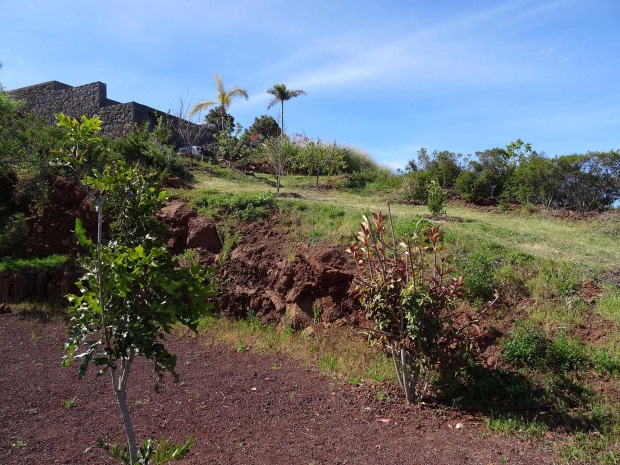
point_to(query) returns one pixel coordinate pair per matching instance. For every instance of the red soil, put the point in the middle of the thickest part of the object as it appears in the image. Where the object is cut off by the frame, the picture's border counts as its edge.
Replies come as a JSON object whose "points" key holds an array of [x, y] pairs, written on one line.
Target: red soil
{"points": [[243, 408]]}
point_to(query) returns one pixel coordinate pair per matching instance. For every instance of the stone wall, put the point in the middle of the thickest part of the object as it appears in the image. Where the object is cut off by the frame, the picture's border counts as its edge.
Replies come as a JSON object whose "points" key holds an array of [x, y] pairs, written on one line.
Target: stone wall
{"points": [[118, 119]]}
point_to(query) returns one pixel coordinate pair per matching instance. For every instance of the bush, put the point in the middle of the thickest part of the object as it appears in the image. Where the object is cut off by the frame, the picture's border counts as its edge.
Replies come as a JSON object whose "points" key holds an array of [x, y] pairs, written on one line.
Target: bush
{"points": [[604, 362], [412, 301], [529, 346], [358, 180], [13, 229], [436, 198], [415, 187]]}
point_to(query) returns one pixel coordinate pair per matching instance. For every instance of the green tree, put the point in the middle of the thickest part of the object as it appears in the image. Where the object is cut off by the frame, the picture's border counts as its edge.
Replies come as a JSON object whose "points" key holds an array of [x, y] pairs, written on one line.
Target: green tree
{"points": [[230, 145], [214, 119], [443, 167], [282, 94], [486, 178], [415, 187], [318, 158], [264, 126], [223, 98], [133, 291], [536, 181]]}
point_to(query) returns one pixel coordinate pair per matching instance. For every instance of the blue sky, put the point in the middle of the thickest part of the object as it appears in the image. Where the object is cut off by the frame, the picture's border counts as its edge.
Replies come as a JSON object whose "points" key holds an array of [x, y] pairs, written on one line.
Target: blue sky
{"points": [[388, 77]]}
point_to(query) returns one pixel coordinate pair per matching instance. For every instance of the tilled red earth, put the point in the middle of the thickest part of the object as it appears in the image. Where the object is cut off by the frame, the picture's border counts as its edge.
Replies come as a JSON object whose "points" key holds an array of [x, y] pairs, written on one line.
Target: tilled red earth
{"points": [[243, 408]]}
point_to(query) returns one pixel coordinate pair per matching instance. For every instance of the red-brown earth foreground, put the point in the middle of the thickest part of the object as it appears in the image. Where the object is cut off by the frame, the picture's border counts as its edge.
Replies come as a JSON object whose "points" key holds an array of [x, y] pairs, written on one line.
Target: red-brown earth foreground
{"points": [[243, 408]]}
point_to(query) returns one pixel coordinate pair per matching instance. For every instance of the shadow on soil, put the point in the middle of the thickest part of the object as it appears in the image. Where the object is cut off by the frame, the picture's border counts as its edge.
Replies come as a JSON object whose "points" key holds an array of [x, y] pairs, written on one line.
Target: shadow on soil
{"points": [[550, 399]]}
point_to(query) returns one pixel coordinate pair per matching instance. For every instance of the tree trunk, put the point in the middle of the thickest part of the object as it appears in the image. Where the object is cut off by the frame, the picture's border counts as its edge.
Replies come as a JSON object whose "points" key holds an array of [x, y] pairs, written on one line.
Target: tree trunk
{"points": [[119, 384]]}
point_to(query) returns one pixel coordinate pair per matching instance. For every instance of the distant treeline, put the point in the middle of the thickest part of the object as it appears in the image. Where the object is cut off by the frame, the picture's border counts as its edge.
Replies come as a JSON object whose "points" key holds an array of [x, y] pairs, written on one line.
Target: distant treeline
{"points": [[582, 182]]}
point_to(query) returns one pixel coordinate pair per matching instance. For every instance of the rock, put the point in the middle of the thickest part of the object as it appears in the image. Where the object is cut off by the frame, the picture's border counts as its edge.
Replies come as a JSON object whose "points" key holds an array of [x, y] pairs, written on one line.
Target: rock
{"points": [[310, 332], [24, 285], [202, 234], [41, 285]]}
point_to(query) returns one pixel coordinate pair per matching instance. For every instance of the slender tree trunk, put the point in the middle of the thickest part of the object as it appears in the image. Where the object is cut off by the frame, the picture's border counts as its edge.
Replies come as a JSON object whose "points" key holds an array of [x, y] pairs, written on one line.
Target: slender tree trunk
{"points": [[119, 384]]}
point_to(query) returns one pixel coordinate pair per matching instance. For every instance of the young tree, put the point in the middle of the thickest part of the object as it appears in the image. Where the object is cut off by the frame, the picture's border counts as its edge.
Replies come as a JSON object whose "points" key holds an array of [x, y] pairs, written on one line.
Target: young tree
{"points": [[282, 94], [134, 291], [223, 98], [282, 153], [437, 196], [215, 122], [319, 158]]}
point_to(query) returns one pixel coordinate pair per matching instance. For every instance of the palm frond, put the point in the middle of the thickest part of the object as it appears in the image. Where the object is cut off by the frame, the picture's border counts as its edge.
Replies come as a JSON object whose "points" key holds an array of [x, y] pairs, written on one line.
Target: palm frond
{"points": [[238, 92], [201, 106]]}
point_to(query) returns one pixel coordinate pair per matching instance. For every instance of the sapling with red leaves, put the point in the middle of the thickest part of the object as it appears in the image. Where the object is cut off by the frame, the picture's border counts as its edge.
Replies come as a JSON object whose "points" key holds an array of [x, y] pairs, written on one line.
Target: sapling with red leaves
{"points": [[407, 289], [133, 291]]}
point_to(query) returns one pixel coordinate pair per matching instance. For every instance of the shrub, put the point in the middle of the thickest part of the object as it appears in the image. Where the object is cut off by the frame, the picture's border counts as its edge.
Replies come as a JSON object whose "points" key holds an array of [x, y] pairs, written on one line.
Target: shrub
{"points": [[529, 346], [359, 179], [406, 289], [415, 187], [604, 362], [13, 229], [436, 198]]}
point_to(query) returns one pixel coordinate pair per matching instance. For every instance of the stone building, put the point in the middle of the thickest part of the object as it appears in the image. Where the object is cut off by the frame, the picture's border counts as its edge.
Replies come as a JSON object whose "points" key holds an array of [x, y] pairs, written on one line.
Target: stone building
{"points": [[118, 119]]}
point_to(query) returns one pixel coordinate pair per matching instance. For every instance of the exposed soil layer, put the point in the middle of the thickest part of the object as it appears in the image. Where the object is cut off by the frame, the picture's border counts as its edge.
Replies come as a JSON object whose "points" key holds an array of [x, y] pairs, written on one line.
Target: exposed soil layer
{"points": [[243, 408], [296, 287]]}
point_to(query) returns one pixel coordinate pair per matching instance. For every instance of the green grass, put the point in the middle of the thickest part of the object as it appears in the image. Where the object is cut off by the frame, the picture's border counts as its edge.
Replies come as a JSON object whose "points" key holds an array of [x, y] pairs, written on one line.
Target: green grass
{"points": [[589, 245], [337, 353], [8, 264]]}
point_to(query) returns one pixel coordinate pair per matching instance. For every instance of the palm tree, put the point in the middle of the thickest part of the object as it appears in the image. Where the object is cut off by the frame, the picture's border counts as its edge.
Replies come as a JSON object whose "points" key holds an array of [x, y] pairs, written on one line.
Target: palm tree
{"points": [[223, 98], [281, 94]]}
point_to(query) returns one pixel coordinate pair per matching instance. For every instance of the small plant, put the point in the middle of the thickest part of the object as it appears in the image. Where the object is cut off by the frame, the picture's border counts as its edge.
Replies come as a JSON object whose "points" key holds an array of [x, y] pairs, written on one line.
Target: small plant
{"points": [[69, 402], [436, 199], [19, 444], [478, 273], [240, 346], [317, 311], [565, 354], [527, 346], [151, 452], [604, 362]]}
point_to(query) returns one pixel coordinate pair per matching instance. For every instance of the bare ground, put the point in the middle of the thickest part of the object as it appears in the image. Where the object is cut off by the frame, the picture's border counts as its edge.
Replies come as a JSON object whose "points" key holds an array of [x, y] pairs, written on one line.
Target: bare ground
{"points": [[243, 408]]}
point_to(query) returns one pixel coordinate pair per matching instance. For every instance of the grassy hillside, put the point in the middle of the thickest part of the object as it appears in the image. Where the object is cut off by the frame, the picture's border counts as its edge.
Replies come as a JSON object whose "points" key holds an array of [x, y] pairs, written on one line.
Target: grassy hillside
{"points": [[559, 347]]}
